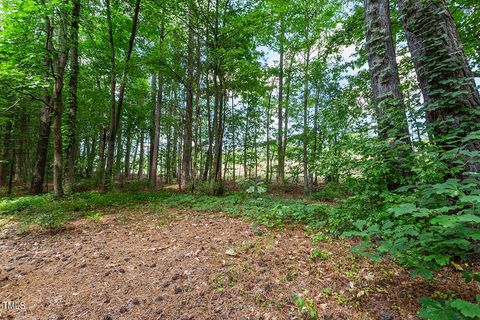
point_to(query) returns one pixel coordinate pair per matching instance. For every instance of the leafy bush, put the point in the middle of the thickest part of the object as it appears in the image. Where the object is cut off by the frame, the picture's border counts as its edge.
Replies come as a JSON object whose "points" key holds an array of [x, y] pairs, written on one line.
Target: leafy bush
{"points": [[453, 309], [331, 192], [426, 229], [253, 186]]}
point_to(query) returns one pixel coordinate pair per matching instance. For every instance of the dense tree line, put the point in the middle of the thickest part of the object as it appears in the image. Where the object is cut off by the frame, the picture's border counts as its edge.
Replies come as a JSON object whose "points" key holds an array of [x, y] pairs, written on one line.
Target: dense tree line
{"points": [[190, 92]]}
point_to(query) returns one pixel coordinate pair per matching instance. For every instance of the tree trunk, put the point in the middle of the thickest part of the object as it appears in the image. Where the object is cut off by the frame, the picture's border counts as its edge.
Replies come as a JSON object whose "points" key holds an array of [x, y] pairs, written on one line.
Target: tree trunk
{"points": [[20, 145], [128, 151], [187, 130], [388, 99], [156, 133], [198, 78], [280, 149], [168, 155], [384, 72], [72, 108], [60, 61], [5, 156], [446, 80], [314, 156], [45, 118], [116, 111], [142, 154], [245, 141], [208, 158], [306, 181], [267, 125], [91, 157]]}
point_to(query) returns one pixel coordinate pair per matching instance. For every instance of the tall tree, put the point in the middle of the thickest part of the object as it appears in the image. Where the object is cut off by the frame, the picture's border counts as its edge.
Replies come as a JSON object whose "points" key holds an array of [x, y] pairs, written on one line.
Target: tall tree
{"points": [[388, 99], [73, 100], [188, 124], [59, 60], [445, 78], [45, 115], [280, 149], [117, 110]]}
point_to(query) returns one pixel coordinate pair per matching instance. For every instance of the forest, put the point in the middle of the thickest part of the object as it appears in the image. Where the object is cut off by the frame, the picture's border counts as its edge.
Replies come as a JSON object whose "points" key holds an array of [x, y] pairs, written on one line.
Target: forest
{"points": [[240, 159]]}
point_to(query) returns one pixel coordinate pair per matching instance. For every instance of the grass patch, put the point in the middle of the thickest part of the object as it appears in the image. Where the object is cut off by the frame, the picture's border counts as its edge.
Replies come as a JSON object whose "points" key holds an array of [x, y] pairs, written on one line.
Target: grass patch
{"points": [[272, 212]]}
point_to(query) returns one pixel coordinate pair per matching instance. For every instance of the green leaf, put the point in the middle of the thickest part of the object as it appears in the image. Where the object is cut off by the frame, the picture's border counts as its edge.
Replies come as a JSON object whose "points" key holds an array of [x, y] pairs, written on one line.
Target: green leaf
{"points": [[421, 213], [437, 310], [470, 199], [468, 309], [403, 208], [360, 224], [451, 220]]}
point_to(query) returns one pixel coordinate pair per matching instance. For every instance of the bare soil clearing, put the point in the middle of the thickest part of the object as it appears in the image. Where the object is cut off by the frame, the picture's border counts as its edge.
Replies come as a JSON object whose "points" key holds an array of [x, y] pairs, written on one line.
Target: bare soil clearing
{"points": [[190, 265]]}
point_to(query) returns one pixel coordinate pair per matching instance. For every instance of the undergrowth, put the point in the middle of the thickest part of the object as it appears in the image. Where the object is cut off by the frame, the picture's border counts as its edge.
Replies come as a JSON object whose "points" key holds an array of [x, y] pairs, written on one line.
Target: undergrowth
{"points": [[269, 211]]}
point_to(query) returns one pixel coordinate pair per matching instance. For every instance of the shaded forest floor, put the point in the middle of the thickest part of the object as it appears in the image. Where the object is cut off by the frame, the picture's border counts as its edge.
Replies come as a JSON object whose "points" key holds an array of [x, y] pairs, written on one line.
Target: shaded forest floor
{"points": [[154, 261]]}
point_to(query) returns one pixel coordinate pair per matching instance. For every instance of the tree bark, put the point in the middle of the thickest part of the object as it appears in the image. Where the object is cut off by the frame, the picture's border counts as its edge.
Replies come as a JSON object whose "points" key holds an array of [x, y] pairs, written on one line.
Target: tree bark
{"points": [[384, 72], [306, 180], [280, 149], [446, 80], [20, 145], [72, 108], [208, 158], [128, 151], [156, 134], [59, 63], [187, 129], [267, 125], [117, 110], [45, 118], [6, 150], [142, 154]]}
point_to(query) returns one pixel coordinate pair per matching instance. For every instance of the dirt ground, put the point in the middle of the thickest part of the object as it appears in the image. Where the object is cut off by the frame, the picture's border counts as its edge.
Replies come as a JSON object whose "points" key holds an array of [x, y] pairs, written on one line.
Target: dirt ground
{"points": [[185, 265]]}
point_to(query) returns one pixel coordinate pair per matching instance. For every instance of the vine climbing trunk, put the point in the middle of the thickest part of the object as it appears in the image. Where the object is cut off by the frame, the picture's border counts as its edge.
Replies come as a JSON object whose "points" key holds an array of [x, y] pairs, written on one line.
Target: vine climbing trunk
{"points": [[388, 99], [445, 78]]}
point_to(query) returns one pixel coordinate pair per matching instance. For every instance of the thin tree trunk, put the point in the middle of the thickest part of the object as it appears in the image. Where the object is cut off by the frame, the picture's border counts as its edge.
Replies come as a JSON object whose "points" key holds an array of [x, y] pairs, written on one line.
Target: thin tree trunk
{"points": [[287, 104], [306, 183], [45, 118], [208, 158], [197, 108], [12, 172], [187, 130], [20, 145], [245, 140], [60, 61], [72, 101], [142, 154], [116, 112], [233, 139], [168, 154], [113, 85], [156, 134], [267, 176], [6, 150], [128, 150], [91, 157], [315, 134], [280, 149]]}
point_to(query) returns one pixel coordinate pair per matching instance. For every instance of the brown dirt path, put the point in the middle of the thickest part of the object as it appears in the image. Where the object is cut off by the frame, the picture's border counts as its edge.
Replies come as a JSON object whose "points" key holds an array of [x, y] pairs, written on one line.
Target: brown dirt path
{"points": [[183, 265]]}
